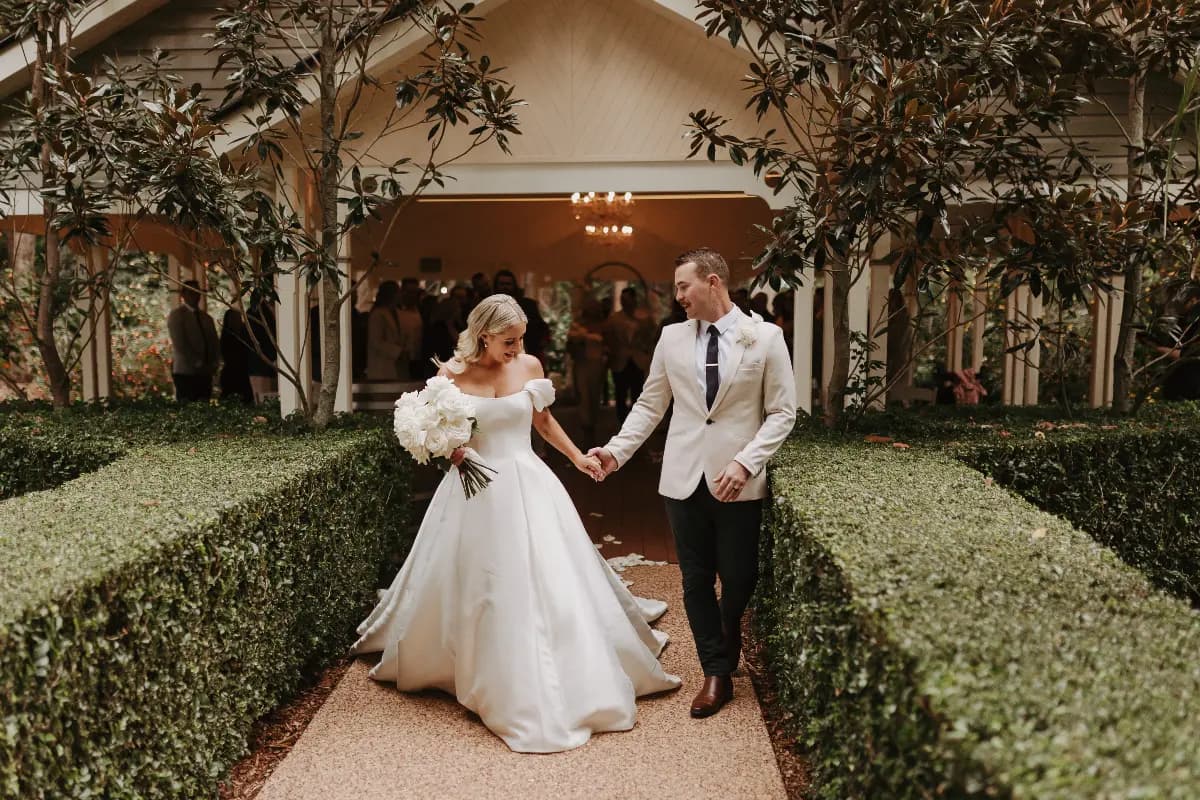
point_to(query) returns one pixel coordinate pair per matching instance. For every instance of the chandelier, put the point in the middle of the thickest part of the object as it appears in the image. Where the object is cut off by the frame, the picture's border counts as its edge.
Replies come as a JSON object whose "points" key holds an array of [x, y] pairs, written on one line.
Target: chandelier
{"points": [[605, 217]]}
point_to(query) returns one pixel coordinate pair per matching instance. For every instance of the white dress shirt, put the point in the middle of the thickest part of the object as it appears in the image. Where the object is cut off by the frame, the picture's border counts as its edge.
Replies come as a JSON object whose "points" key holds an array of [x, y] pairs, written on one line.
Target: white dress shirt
{"points": [[725, 327]]}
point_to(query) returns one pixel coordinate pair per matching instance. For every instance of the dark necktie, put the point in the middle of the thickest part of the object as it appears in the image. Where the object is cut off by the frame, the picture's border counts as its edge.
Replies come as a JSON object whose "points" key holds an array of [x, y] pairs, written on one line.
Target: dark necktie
{"points": [[712, 378]]}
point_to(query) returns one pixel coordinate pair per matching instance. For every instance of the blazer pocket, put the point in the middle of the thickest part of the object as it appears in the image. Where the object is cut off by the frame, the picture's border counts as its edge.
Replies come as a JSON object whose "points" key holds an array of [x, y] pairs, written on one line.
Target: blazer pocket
{"points": [[753, 366]]}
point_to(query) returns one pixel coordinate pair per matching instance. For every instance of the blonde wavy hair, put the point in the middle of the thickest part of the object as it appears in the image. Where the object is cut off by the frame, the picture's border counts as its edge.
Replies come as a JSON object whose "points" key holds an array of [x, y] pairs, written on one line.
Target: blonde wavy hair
{"points": [[494, 314]]}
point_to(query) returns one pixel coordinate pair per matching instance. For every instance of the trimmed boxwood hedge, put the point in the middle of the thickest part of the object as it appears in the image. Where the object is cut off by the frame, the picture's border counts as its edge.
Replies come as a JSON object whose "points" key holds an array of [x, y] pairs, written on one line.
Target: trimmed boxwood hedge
{"points": [[42, 447], [152, 610], [932, 635], [1134, 490], [1128, 482]]}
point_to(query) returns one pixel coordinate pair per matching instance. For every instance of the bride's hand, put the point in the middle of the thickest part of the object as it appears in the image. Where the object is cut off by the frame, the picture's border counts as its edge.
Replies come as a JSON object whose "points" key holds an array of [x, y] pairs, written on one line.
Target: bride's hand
{"points": [[456, 458], [591, 466]]}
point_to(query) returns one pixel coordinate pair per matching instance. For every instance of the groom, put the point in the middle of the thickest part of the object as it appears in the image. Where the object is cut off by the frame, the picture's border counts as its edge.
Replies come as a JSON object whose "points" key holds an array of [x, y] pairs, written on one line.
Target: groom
{"points": [[735, 402]]}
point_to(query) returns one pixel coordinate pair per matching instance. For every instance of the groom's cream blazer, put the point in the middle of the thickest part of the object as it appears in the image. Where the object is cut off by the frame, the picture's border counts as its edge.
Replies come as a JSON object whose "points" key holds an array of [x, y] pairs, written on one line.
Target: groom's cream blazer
{"points": [[752, 414]]}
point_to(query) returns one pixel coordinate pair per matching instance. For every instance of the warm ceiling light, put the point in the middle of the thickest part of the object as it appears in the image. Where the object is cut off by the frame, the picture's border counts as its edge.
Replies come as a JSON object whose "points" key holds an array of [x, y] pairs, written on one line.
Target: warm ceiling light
{"points": [[605, 218]]}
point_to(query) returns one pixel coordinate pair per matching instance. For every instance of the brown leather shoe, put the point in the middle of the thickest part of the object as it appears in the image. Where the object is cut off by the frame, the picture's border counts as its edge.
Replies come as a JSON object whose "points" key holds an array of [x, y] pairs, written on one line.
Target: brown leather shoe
{"points": [[717, 691]]}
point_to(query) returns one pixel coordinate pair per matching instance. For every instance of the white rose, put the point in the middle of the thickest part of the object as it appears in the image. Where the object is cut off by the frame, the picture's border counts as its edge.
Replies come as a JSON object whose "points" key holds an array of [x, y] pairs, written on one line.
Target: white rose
{"points": [[459, 433], [436, 387], [455, 407], [438, 443]]}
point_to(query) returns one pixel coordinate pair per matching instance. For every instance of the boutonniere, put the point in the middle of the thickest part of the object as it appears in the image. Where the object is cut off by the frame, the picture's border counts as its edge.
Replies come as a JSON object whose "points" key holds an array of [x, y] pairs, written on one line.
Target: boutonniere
{"points": [[745, 335]]}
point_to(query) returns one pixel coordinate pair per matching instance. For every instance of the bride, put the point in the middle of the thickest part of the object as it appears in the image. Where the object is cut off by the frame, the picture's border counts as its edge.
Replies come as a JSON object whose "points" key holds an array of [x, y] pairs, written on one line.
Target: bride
{"points": [[504, 601]]}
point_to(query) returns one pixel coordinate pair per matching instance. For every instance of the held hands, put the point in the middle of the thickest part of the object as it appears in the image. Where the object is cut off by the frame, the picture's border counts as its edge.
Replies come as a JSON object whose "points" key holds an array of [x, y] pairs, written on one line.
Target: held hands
{"points": [[591, 465], [731, 481], [608, 462]]}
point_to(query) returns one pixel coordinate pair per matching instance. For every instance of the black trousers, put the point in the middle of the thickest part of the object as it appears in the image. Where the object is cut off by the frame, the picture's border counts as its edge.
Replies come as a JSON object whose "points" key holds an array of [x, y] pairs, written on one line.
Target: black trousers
{"points": [[716, 539], [627, 385], [192, 388]]}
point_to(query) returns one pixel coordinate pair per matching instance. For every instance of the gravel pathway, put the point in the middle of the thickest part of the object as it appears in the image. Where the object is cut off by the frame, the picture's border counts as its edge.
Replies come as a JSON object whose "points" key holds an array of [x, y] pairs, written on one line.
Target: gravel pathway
{"points": [[370, 742]]}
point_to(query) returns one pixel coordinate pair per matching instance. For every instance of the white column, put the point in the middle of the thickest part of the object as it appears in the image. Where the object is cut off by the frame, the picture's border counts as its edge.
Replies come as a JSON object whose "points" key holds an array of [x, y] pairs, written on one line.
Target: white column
{"points": [[1033, 310], [291, 315], [1106, 326], [979, 301], [877, 313], [858, 311], [954, 327], [343, 402], [1014, 373], [1021, 370], [802, 343], [96, 357], [827, 340], [22, 254]]}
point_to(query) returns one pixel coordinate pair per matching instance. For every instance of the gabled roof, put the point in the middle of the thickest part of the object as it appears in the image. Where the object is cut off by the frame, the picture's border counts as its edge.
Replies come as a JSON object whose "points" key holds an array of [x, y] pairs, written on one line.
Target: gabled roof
{"points": [[95, 23]]}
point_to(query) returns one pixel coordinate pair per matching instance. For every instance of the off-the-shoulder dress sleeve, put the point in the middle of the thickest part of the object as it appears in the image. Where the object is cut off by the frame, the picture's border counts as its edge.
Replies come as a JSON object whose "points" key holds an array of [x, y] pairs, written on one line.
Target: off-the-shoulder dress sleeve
{"points": [[542, 391]]}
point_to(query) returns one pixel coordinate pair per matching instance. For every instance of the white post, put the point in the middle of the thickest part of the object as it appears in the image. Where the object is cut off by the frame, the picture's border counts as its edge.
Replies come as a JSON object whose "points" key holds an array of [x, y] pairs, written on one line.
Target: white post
{"points": [[858, 311], [827, 340], [954, 328], [343, 402], [877, 313], [1033, 311], [978, 320], [291, 316], [96, 358], [802, 343], [1021, 370], [1106, 325], [1014, 375]]}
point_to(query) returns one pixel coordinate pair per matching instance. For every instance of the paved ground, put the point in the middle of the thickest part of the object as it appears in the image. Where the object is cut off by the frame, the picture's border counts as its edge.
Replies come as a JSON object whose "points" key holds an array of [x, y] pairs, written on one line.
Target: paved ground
{"points": [[370, 742]]}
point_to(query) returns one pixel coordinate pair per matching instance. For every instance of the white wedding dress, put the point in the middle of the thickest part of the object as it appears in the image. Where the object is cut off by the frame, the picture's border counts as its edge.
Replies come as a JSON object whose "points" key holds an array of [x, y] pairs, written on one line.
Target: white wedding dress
{"points": [[505, 603]]}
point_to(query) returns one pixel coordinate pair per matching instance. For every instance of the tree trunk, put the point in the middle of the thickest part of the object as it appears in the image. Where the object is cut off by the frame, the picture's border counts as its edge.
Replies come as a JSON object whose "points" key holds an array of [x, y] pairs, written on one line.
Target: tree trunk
{"points": [[327, 190], [838, 285], [1123, 359], [838, 267], [49, 50]]}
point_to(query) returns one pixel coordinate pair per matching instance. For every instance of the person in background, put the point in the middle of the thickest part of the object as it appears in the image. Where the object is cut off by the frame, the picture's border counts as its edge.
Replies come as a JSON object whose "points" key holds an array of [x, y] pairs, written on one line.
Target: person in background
{"points": [[260, 365], [236, 351], [760, 305], [741, 299], [629, 349], [385, 340], [412, 330], [585, 344], [195, 346], [537, 331], [783, 312]]}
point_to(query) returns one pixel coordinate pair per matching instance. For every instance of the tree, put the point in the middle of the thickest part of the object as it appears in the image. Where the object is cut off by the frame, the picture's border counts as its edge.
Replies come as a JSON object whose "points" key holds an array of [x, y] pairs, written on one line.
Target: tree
{"points": [[296, 59], [888, 118], [103, 152], [1153, 38]]}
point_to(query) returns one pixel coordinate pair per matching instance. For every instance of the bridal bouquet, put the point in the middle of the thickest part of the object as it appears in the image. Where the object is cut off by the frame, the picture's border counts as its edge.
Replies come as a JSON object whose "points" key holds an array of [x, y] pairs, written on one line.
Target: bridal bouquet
{"points": [[434, 422]]}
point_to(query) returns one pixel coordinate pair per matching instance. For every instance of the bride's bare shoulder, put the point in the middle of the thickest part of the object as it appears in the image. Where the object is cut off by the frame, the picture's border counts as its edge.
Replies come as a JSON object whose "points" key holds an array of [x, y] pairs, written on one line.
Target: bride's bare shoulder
{"points": [[531, 365]]}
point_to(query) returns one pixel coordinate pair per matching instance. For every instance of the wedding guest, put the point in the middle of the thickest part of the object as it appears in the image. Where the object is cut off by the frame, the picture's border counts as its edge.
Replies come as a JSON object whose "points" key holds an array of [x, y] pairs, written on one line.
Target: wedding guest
{"points": [[261, 361], [537, 332], [759, 304], [585, 345], [235, 357], [385, 339], [194, 344], [629, 337]]}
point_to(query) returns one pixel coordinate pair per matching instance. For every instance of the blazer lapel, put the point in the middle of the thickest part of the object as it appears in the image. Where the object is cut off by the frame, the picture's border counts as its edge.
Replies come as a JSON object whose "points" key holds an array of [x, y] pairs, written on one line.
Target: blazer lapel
{"points": [[689, 364]]}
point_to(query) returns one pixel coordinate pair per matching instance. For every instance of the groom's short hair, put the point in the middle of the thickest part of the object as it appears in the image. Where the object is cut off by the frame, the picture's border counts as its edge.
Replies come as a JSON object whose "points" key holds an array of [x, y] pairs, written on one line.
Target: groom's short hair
{"points": [[707, 261]]}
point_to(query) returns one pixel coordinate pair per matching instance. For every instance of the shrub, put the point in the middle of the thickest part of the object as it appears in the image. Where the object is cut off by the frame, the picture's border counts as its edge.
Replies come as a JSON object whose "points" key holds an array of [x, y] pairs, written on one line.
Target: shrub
{"points": [[1133, 490], [932, 635], [153, 609], [42, 447]]}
